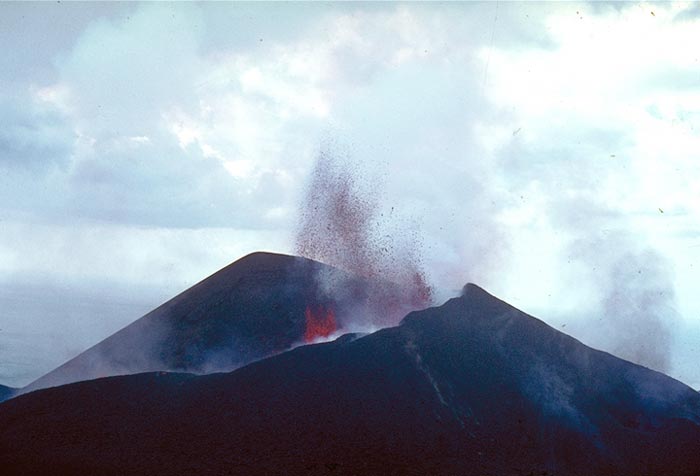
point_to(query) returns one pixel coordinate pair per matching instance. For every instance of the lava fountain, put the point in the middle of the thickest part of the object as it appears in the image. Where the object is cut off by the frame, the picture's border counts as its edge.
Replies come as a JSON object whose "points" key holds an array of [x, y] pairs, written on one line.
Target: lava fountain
{"points": [[320, 323], [342, 225]]}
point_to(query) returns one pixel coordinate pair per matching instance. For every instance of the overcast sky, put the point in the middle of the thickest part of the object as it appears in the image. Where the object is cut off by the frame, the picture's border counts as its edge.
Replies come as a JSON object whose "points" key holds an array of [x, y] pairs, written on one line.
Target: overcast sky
{"points": [[547, 152]]}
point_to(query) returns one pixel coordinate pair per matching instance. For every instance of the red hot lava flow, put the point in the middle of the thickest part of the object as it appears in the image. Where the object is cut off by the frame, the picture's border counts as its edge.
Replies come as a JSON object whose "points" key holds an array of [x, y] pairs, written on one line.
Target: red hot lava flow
{"points": [[320, 322]]}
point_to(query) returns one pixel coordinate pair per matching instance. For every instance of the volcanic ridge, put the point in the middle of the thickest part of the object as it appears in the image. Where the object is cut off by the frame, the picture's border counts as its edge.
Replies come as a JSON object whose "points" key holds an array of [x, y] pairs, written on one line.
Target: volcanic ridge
{"points": [[472, 387], [260, 305]]}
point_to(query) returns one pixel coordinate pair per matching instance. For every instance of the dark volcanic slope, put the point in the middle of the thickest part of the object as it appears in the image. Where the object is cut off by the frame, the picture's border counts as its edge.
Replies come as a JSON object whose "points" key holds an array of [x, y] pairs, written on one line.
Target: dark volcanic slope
{"points": [[474, 387], [251, 309]]}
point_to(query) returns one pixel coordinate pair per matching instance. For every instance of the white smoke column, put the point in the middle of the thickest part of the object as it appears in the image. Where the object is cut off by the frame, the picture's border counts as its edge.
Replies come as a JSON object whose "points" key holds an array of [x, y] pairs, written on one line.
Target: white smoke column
{"points": [[633, 295], [640, 309]]}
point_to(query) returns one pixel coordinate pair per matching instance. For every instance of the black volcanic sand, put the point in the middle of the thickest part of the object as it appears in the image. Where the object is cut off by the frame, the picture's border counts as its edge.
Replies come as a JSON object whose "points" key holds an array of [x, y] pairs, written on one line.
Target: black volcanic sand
{"points": [[474, 387], [251, 309]]}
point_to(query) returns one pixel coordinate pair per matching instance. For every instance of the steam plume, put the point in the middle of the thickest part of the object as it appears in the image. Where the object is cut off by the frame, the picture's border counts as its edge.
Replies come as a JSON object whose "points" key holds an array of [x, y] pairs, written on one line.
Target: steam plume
{"points": [[640, 309], [636, 301]]}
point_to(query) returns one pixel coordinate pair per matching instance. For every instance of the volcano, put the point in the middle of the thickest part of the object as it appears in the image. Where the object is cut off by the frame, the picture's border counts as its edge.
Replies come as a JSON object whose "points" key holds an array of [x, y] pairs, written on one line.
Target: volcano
{"points": [[258, 306], [473, 387]]}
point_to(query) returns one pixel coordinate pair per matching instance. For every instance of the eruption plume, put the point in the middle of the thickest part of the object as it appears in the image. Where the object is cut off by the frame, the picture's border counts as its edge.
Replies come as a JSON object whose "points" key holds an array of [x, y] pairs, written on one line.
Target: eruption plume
{"points": [[342, 224]]}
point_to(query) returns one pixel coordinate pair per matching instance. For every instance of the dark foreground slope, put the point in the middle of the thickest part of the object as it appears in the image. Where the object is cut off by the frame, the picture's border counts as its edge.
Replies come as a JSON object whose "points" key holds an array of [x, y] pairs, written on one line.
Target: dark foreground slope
{"points": [[473, 387], [251, 309]]}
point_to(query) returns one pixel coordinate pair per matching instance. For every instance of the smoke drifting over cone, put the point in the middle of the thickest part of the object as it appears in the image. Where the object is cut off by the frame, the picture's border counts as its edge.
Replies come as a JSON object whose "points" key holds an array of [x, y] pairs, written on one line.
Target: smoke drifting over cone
{"points": [[342, 224], [634, 295], [641, 310]]}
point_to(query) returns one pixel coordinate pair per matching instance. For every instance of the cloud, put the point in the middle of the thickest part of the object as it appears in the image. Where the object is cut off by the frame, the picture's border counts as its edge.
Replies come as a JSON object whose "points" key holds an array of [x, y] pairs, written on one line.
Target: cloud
{"points": [[34, 35], [689, 12], [34, 135], [121, 73], [117, 121]]}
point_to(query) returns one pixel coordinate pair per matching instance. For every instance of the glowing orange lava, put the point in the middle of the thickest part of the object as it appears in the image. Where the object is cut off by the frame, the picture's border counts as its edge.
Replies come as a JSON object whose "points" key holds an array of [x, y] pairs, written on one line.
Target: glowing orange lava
{"points": [[320, 322]]}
